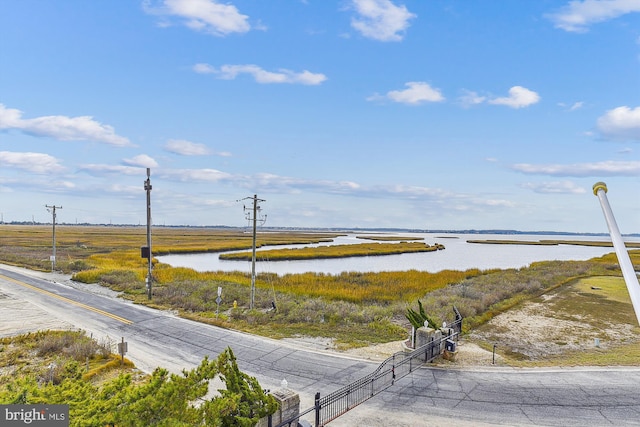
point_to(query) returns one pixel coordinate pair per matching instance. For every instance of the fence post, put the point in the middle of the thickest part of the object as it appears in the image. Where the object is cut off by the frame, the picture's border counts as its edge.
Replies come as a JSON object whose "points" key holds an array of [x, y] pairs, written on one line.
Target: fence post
{"points": [[317, 405]]}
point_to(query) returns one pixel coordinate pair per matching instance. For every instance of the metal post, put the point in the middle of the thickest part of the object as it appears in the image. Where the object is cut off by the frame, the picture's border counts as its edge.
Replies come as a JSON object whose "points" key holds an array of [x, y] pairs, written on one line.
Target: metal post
{"points": [[317, 406], [628, 272], [147, 187]]}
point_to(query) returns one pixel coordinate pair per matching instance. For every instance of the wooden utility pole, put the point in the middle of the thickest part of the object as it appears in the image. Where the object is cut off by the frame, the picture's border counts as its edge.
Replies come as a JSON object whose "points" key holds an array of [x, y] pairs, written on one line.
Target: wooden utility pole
{"points": [[147, 187], [52, 209], [254, 218]]}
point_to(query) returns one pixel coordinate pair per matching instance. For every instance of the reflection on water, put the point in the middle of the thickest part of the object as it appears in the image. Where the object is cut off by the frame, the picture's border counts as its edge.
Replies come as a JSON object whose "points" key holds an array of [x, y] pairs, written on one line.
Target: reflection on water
{"points": [[457, 255]]}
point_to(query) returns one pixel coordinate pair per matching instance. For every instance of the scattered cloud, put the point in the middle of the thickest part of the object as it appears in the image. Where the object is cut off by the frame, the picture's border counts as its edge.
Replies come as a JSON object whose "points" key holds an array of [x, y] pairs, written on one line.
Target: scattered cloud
{"points": [[575, 106], [622, 123], [39, 163], [416, 93], [188, 148], [554, 187], [470, 98], [199, 175], [577, 15], [381, 20], [595, 169], [519, 97], [230, 72], [207, 16], [63, 128], [141, 161], [104, 170]]}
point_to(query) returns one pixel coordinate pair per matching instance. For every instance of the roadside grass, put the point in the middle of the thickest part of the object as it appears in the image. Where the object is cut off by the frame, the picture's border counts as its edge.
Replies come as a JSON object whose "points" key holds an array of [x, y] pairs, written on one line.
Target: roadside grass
{"points": [[52, 355]]}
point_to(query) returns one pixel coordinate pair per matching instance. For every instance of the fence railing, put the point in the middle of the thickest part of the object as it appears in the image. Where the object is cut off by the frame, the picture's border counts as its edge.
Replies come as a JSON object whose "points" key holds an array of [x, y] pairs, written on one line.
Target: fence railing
{"points": [[401, 364]]}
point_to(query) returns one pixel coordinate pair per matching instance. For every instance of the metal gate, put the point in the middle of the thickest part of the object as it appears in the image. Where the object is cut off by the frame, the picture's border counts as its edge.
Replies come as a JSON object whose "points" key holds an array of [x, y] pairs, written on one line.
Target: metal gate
{"points": [[401, 364]]}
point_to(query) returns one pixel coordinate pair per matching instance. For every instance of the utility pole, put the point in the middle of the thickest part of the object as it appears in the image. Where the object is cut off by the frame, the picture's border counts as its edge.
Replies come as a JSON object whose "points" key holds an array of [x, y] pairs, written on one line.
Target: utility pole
{"points": [[147, 187], [254, 218], [52, 209]]}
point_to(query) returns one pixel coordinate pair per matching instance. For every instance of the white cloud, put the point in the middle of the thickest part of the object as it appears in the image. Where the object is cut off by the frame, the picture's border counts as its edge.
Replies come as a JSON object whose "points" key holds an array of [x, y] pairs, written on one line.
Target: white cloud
{"points": [[577, 16], [230, 72], [63, 128], [200, 175], [555, 187], [207, 16], [31, 162], [202, 68], [470, 98], [519, 97], [381, 19], [142, 161], [101, 170], [415, 94], [576, 106], [595, 169], [186, 148], [622, 123]]}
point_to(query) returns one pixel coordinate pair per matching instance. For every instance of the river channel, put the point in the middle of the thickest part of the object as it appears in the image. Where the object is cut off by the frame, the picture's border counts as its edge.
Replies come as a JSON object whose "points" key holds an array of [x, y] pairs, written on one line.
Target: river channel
{"points": [[458, 254]]}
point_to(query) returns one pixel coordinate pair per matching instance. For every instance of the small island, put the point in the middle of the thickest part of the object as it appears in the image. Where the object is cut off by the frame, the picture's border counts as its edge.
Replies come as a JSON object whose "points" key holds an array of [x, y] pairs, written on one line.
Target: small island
{"points": [[604, 244], [335, 251]]}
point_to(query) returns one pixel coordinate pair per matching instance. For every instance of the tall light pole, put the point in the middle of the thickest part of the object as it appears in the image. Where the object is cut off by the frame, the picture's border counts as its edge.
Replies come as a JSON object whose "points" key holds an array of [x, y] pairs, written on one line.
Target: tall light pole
{"points": [[254, 219], [147, 187], [52, 209], [628, 272]]}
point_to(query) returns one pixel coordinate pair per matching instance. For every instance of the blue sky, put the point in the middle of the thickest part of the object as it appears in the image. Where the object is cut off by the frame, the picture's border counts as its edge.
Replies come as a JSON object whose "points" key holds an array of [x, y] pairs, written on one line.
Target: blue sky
{"points": [[427, 114]]}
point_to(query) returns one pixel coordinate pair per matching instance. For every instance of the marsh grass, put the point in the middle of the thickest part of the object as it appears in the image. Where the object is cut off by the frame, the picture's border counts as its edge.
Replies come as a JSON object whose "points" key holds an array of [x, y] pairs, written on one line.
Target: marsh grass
{"points": [[355, 308], [335, 251]]}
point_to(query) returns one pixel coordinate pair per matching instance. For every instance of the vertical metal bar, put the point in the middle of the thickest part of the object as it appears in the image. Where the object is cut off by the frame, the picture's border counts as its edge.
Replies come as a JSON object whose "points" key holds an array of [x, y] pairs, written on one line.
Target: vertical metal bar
{"points": [[317, 405]]}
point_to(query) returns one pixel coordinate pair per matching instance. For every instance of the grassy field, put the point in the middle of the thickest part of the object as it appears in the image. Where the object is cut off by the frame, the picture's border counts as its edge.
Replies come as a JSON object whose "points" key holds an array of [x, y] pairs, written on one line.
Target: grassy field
{"points": [[357, 309]]}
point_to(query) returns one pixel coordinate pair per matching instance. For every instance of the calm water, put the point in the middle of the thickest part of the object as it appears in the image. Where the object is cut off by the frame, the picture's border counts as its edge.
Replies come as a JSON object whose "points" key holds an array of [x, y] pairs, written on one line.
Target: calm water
{"points": [[457, 255]]}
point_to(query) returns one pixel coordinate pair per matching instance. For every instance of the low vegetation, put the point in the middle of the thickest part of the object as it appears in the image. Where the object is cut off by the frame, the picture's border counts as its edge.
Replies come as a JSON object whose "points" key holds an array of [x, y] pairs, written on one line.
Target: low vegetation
{"points": [[49, 367], [356, 309], [335, 251]]}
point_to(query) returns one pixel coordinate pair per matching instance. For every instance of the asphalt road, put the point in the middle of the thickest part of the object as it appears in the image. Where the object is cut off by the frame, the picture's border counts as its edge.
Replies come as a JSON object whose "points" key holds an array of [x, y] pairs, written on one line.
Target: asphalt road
{"points": [[427, 397]]}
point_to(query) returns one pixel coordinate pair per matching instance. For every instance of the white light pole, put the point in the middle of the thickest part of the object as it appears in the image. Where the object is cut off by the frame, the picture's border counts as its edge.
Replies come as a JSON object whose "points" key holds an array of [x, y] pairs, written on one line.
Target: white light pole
{"points": [[628, 272]]}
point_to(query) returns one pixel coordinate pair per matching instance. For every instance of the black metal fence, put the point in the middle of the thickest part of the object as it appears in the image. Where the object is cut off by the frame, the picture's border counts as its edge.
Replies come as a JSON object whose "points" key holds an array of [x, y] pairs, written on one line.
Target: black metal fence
{"points": [[401, 364]]}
